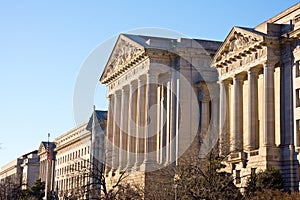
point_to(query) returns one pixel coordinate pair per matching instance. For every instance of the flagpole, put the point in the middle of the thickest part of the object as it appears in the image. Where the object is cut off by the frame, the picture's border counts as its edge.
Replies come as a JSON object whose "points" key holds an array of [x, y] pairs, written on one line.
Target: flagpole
{"points": [[47, 168]]}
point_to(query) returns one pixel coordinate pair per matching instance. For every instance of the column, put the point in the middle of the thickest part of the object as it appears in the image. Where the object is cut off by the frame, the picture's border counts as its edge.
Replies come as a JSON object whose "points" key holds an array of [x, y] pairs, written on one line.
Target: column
{"points": [[151, 119], [253, 139], [109, 131], [269, 105], [124, 128], [132, 124], [140, 129], [173, 117], [224, 117], [159, 130], [237, 137], [167, 131], [162, 124], [116, 130]]}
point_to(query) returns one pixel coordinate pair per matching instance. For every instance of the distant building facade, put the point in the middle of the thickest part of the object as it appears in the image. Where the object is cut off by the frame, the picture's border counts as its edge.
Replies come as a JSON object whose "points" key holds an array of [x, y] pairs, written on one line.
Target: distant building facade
{"points": [[65, 163], [24, 170]]}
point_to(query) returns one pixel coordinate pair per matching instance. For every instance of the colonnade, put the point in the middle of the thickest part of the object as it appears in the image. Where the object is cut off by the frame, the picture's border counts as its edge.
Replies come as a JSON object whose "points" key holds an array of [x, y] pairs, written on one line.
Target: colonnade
{"points": [[236, 109], [141, 123]]}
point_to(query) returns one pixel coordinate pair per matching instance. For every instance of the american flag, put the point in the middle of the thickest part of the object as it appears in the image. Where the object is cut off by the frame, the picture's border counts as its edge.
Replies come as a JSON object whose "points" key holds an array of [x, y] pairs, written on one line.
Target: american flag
{"points": [[48, 153]]}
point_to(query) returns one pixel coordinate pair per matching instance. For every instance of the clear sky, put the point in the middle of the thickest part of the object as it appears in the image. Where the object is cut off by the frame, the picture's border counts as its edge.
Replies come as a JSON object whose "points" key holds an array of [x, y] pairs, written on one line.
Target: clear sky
{"points": [[43, 45]]}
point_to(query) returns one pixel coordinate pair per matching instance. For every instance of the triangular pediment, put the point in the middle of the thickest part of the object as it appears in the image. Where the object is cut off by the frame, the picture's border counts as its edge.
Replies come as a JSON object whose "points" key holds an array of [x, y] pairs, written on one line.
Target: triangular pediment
{"points": [[42, 147], [237, 42], [125, 51], [98, 117]]}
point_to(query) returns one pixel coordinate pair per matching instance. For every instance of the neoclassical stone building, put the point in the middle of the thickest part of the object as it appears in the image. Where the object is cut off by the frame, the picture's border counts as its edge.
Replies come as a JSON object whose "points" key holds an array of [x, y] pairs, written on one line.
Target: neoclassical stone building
{"points": [[155, 86], [259, 97]]}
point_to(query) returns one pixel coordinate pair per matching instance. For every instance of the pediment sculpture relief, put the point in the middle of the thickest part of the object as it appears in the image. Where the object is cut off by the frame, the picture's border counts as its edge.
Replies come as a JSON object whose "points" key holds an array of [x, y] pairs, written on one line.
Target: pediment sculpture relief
{"points": [[124, 52], [238, 42]]}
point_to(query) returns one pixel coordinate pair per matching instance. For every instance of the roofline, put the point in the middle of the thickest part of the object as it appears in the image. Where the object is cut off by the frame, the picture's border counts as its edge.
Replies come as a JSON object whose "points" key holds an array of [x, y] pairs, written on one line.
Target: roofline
{"points": [[281, 14], [70, 131]]}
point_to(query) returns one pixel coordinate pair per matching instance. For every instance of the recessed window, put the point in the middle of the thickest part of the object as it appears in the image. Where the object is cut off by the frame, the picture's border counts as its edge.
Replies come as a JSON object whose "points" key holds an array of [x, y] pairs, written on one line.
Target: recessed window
{"points": [[253, 171], [297, 97], [297, 69], [298, 132], [297, 19], [238, 176]]}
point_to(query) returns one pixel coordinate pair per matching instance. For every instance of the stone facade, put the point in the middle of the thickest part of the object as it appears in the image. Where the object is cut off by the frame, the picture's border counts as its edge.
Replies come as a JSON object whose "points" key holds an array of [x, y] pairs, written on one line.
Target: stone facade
{"points": [[159, 91]]}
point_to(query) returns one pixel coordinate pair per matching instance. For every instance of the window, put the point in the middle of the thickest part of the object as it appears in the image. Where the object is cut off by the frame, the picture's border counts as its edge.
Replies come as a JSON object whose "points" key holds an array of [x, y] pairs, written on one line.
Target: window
{"points": [[298, 132], [253, 171], [297, 19], [297, 97], [297, 69], [238, 176]]}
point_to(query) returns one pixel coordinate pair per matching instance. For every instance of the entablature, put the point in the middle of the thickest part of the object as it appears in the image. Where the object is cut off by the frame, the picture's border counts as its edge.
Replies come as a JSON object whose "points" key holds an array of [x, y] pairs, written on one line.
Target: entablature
{"points": [[229, 69]]}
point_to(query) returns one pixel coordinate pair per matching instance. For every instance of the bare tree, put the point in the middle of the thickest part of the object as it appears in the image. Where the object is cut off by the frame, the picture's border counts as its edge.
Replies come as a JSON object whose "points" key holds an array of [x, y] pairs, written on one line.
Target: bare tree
{"points": [[91, 182], [10, 188], [203, 178]]}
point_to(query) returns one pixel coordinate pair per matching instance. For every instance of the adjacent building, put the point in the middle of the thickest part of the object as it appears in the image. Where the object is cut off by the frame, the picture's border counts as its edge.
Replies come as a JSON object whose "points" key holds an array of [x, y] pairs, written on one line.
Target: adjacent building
{"points": [[259, 94]]}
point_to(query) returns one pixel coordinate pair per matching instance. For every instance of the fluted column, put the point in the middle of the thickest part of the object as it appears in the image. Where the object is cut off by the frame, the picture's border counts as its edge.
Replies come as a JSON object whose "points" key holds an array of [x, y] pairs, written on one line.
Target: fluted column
{"points": [[109, 131], [140, 129], [253, 109], [151, 118], [269, 105], [116, 131], [237, 138], [224, 117], [132, 124], [124, 128]]}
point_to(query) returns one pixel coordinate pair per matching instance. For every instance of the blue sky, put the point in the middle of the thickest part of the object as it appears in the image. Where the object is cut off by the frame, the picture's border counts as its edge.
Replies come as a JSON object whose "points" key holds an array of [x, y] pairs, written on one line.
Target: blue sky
{"points": [[44, 44]]}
